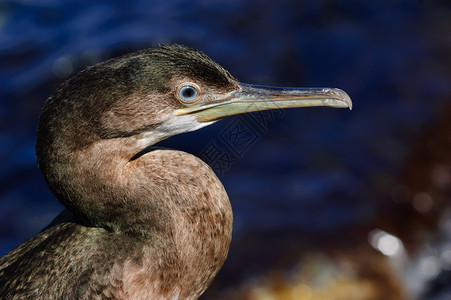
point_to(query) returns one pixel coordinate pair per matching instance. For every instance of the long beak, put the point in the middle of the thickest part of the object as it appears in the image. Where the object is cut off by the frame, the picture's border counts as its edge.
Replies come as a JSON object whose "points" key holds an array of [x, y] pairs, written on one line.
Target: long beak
{"points": [[250, 98]]}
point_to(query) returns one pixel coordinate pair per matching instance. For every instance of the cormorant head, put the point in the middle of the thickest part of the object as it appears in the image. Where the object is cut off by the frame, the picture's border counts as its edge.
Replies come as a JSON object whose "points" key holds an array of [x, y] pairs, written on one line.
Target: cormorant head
{"points": [[156, 93]]}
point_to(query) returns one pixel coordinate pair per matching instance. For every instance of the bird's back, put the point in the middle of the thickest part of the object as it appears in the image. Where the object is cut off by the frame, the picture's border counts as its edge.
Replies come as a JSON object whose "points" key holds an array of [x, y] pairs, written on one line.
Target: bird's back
{"points": [[62, 262]]}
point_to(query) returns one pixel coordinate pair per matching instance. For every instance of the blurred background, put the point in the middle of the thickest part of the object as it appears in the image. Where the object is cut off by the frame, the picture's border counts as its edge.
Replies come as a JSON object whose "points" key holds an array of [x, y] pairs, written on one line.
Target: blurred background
{"points": [[328, 203]]}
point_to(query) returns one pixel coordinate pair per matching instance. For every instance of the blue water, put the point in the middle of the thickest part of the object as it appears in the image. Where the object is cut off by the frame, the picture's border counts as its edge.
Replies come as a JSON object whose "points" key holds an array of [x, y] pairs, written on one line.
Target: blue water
{"points": [[313, 170]]}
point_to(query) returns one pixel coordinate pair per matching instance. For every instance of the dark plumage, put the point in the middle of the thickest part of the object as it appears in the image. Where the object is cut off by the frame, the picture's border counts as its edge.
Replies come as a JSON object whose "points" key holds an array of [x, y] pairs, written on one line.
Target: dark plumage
{"points": [[140, 223]]}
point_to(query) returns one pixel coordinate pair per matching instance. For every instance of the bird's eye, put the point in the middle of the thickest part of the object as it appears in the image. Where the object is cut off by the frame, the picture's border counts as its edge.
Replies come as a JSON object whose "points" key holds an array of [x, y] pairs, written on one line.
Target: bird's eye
{"points": [[188, 93]]}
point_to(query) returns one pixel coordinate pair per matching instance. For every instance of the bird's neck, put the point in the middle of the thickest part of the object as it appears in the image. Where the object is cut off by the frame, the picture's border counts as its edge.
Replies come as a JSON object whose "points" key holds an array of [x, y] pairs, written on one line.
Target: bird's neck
{"points": [[168, 199]]}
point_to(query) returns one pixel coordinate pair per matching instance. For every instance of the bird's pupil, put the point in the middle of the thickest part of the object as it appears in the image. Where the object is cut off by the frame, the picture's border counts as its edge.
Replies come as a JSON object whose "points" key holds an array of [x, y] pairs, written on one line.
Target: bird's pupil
{"points": [[188, 92]]}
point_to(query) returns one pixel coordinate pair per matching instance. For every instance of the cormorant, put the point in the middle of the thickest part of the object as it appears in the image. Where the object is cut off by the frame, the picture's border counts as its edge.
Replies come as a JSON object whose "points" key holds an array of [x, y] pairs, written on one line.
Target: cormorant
{"points": [[140, 223]]}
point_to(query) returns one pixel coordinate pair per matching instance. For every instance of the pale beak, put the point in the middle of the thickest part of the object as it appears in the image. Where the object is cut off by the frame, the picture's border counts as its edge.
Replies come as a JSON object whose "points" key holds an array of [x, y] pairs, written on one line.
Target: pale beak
{"points": [[250, 98]]}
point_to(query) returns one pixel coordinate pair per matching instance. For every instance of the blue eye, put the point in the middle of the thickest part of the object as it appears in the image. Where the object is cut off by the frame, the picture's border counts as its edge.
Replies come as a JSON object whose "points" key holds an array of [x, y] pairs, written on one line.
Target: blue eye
{"points": [[188, 93]]}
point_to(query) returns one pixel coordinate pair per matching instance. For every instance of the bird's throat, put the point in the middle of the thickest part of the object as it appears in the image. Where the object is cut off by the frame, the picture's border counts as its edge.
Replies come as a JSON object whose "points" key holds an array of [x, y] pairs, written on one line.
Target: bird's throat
{"points": [[165, 198]]}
